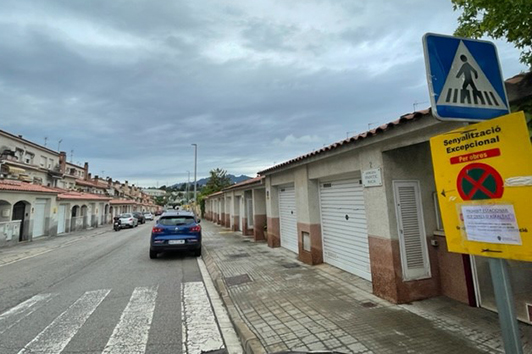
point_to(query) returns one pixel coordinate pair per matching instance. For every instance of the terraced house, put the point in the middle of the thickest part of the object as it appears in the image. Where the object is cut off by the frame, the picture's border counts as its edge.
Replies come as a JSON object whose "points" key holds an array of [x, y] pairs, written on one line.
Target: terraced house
{"points": [[368, 206], [42, 194]]}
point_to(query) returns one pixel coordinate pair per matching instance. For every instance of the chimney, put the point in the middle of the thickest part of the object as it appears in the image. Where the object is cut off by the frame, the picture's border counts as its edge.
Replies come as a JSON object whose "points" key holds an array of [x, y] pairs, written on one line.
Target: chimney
{"points": [[86, 168], [126, 183], [95, 178], [109, 182], [62, 162], [88, 177]]}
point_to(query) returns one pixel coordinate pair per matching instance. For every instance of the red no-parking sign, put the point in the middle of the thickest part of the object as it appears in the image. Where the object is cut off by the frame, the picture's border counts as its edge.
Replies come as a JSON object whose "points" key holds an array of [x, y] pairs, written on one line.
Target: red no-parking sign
{"points": [[478, 181]]}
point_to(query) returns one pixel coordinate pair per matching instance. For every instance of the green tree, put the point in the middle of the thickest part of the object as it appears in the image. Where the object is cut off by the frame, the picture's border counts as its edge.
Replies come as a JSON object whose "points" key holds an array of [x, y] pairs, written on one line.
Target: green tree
{"points": [[218, 180], [510, 19]]}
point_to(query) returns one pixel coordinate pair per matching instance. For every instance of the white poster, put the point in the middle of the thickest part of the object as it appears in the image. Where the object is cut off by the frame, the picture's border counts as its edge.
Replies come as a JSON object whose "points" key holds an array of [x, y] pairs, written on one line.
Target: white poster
{"points": [[491, 223]]}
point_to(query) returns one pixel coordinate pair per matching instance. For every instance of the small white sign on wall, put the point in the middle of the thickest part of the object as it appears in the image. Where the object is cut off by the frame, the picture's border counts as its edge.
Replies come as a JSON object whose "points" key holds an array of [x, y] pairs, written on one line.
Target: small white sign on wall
{"points": [[372, 178]]}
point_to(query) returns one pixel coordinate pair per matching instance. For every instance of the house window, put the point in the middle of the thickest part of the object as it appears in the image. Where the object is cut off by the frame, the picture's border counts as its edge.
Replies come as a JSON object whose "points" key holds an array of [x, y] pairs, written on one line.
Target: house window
{"points": [[28, 158], [43, 161], [50, 163], [19, 153]]}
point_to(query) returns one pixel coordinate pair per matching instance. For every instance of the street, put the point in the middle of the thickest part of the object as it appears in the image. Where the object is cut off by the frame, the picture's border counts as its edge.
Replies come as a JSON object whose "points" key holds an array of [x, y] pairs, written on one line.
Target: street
{"points": [[101, 293]]}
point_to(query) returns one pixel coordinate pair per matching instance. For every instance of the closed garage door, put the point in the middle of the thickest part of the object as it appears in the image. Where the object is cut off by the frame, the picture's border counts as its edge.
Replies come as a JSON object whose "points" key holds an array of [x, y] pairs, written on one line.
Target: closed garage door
{"points": [[38, 218], [288, 218], [61, 219], [344, 226]]}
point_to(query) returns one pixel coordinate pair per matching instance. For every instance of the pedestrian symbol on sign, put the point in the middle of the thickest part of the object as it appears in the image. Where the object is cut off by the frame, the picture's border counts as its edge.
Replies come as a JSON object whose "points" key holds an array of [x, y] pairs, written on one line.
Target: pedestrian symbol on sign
{"points": [[466, 70], [467, 85]]}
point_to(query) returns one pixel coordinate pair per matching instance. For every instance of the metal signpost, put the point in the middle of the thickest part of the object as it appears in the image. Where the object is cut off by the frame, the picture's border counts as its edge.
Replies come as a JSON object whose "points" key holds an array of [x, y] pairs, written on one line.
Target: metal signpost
{"points": [[482, 171]]}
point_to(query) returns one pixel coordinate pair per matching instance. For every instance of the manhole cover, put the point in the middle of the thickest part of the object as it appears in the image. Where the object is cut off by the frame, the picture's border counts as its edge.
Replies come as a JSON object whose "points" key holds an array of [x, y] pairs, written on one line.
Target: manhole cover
{"points": [[368, 304], [237, 280], [291, 265], [238, 255]]}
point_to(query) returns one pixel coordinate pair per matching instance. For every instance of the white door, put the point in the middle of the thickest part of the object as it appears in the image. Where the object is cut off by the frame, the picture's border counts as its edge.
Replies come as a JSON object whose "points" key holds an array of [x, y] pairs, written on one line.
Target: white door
{"points": [[411, 228], [288, 218], [39, 217], [344, 226], [61, 218], [249, 210]]}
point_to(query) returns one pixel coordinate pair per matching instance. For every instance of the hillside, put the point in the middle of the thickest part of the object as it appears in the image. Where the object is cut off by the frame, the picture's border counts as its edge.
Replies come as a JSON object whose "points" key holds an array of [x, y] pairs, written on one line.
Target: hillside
{"points": [[203, 181]]}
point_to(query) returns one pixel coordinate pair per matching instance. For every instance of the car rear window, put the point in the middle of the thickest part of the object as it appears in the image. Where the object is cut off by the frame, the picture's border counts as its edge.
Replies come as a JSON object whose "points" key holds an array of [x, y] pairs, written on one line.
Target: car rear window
{"points": [[176, 220], [125, 215]]}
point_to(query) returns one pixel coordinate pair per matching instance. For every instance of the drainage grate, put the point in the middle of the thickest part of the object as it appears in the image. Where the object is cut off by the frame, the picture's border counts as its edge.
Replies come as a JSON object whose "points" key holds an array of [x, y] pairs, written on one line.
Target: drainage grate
{"points": [[368, 304], [291, 265], [238, 255], [237, 280]]}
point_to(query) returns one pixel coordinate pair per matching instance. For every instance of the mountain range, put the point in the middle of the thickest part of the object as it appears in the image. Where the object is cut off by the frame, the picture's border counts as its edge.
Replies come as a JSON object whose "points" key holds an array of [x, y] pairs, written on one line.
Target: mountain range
{"points": [[203, 181]]}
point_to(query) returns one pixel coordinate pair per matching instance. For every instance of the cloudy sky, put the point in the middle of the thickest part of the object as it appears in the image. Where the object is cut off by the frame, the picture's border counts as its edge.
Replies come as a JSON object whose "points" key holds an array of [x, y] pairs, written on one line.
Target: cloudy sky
{"points": [[129, 85]]}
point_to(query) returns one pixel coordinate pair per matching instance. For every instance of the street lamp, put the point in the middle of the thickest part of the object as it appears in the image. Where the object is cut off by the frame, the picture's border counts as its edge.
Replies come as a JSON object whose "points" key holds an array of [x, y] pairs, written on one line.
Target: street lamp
{"points": [[195, 170]]}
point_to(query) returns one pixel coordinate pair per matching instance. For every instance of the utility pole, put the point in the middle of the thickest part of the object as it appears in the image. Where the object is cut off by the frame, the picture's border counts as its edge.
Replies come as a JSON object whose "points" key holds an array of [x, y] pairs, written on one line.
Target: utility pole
{"points": [[195, 170]]}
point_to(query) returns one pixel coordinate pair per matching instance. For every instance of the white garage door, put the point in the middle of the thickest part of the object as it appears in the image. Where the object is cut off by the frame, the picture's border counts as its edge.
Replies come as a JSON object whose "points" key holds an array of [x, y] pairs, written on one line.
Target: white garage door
{"points": [[61, 218], [344, 226], [38, 218], [288, 218]]}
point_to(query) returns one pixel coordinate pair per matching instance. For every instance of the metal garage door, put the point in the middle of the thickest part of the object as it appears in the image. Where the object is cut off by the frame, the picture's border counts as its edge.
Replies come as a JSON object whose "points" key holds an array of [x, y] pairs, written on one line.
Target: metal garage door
{"points": [[61, 219], [288, 218], [38, 218], [344, 226]]}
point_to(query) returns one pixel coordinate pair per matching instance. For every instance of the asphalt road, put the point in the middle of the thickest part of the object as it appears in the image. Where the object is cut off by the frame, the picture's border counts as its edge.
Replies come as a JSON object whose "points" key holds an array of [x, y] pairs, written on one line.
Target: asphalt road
{"points": [[100, 293]]}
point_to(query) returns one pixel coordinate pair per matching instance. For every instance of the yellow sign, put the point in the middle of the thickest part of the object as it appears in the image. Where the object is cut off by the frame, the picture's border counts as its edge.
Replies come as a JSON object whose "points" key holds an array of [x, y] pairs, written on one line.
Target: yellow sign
{"points": [[483, 176]]}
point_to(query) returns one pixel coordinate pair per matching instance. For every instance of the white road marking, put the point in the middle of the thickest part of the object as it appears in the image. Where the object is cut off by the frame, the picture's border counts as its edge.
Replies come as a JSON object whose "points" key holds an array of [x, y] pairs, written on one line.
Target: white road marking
{"points": [[201, 332], [131, 333], [22, 311], [55, 337], [232, 343]]}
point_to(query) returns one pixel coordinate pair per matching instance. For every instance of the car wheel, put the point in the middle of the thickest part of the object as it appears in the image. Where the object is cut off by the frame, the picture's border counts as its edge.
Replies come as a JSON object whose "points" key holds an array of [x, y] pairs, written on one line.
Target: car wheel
{"points": [[153, 254], [197, 253]]}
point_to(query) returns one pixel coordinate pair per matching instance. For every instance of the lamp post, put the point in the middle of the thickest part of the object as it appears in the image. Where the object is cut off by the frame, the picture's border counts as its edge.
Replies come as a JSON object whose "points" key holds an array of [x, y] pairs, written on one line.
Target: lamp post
{"points": [[195, 170]]}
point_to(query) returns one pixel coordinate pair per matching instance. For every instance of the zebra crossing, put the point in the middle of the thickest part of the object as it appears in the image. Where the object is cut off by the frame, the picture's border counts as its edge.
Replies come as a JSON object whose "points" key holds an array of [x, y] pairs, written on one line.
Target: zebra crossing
{"points": [[130, 335]]}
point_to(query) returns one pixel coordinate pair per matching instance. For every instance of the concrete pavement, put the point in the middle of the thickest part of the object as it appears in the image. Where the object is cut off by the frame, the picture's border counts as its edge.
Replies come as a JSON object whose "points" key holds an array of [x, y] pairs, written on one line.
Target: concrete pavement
{"points": [[278, 303]]}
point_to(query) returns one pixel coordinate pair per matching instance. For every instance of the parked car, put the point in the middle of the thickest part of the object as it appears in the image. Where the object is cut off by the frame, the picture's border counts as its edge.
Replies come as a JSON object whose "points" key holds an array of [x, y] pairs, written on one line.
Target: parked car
{"points": [[148, 216], [158, 212], [176, 231], [139, 216], [128, 220]]}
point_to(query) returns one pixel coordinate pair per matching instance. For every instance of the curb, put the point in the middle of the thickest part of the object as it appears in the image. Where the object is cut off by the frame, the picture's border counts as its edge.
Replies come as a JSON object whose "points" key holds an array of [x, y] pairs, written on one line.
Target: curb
{"points": [[248, 339]]}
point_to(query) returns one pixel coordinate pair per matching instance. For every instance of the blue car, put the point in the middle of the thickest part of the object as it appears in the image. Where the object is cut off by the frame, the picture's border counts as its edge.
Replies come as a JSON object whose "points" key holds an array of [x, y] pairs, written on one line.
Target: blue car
{"points": [[176, 231]]}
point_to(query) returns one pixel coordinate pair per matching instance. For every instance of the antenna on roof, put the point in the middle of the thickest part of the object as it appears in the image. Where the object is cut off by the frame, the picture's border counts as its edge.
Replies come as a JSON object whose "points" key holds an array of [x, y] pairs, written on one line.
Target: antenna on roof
{"points": [[416, 103], [71, 156], [59, 145], [45, 140]]}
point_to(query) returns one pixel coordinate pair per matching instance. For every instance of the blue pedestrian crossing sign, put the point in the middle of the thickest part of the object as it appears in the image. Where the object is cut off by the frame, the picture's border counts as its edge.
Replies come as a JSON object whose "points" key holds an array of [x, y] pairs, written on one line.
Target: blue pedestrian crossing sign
{"points": [[465, 78]]}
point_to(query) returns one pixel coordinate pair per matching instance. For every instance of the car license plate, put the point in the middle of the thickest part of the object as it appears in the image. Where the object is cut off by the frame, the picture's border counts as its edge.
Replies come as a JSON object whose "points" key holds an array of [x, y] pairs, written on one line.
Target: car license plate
{"points": [[176, 242]]}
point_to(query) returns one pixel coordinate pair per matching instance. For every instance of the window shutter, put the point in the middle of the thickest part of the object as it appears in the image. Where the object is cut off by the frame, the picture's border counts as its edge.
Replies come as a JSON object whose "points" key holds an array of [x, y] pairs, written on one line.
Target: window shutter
{"points": [[411, 228]]}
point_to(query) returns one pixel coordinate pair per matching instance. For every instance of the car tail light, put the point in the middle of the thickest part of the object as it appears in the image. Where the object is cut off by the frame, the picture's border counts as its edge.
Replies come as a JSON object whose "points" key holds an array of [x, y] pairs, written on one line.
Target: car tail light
{"points": [[157, 230], [130, 219], [196, 228]]}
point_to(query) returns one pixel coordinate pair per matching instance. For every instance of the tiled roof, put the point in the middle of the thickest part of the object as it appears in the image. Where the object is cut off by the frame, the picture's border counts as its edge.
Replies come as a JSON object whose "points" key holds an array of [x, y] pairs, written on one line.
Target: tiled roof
{"points": [[10, 185], [352, 140], [82, 182], [215, 194], [82, 196], [257, 179], [123, 201]]}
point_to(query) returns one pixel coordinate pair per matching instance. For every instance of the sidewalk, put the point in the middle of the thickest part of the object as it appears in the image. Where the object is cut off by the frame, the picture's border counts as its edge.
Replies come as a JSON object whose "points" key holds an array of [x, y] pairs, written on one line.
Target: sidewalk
{"points": [[278, 303], [46, 244]]}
